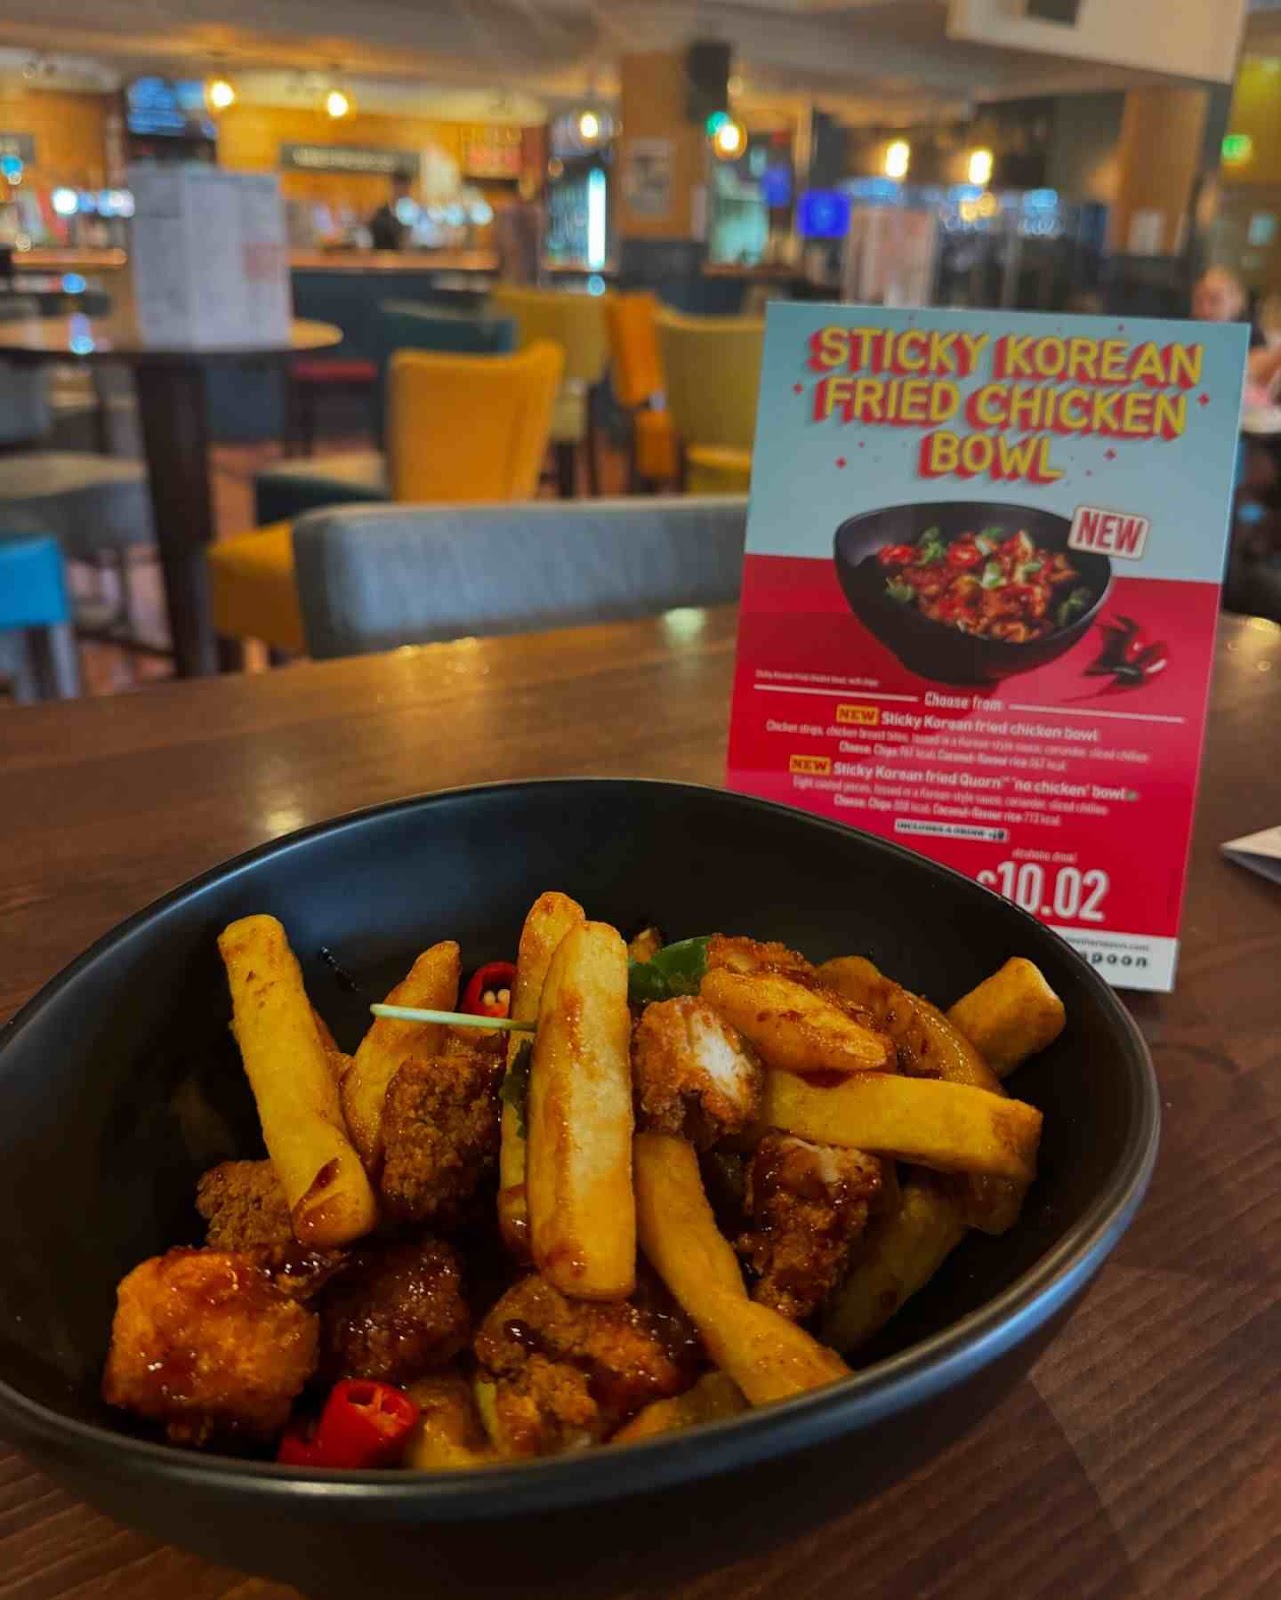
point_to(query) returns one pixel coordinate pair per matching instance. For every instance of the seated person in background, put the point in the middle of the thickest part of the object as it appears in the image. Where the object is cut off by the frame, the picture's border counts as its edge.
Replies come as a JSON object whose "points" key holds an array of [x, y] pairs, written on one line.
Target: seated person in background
{"points": [[386, 230], [1219, 296]]}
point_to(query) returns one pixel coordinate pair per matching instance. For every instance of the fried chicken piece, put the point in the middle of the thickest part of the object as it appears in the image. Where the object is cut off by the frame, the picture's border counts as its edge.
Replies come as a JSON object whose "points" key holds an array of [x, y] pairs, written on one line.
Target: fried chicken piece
{"points": [[440, 1127], [754, 955], [244, 1204], [809, 1205], [396, 1313], [544, 1409], [560, 1373], [204, 1342], [694, 1074]]}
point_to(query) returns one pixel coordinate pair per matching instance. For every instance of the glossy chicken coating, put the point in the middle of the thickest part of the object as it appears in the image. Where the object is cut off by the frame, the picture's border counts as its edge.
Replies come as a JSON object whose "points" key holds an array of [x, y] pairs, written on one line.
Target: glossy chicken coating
{"points": [[244, 1204], [440, 1128], [808, 1205], [205, 1343], [564, 1373], [395, 1313], [694, 1075]]}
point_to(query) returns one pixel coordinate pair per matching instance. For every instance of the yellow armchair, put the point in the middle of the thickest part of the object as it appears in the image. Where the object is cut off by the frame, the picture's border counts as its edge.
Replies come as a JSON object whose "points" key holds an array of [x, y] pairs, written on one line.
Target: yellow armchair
{"points": [[460, 429], [712, 367], [575, 320]]}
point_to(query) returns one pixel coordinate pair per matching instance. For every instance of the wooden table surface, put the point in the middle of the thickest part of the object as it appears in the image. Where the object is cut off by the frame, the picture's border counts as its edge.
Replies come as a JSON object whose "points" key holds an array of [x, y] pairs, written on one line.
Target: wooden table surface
{"points": [[1143, 1456], [119, 337]]}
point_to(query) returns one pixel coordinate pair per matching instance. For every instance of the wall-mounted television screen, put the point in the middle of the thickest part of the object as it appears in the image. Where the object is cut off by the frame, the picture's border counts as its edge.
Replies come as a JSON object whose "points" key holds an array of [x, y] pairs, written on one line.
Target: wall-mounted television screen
{"points": [[823, 214], [168, 108]]}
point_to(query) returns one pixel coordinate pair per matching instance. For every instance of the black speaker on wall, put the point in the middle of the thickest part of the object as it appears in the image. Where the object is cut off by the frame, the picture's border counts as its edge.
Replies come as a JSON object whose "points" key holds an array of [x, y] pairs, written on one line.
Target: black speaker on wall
{"points": [[706, 79], [828, 152], [1064, 11]]}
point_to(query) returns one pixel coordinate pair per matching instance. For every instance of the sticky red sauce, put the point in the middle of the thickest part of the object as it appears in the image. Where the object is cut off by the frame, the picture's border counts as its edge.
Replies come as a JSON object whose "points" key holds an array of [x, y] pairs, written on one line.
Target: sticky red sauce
{"points": [[823, 1078]]}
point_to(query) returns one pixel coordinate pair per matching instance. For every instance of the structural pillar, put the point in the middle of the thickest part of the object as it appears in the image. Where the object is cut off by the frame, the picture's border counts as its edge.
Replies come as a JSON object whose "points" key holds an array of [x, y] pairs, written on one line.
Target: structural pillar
{"points": [[661, 194], [1159, 161]]}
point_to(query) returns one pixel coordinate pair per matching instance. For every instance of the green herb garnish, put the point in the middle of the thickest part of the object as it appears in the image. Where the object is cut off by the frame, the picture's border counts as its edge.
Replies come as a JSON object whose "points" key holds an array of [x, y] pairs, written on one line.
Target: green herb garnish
{"points": [[1026, 569], [932, 547], [993, 575], [514, 1091], [676, 969], [902, 592], [988, 540]]}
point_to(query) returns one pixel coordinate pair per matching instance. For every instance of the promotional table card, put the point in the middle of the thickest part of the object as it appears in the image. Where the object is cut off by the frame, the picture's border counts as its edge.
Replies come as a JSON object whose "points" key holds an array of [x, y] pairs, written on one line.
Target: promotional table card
{"points": [[210, 256], [980, 594]]}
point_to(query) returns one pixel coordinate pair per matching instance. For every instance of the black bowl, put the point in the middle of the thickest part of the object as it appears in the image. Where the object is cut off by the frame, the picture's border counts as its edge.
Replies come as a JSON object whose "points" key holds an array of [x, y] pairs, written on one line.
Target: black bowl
{"points": [[119, 1085], [934, 649]]}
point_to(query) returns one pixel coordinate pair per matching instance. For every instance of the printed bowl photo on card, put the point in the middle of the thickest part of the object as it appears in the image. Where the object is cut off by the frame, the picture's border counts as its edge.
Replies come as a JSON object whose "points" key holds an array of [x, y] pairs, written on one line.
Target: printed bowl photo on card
{"points": [[967, 591]]}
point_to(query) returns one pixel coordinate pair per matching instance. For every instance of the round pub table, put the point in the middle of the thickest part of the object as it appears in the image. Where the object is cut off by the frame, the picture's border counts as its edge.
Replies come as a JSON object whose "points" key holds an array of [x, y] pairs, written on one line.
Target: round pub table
{"points": [[170, 383]]}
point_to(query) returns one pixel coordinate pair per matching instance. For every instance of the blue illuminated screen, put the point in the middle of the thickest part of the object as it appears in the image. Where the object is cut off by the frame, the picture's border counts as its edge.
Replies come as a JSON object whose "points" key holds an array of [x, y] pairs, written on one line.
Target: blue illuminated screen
{"points": [[823, 214], [168, 108]]}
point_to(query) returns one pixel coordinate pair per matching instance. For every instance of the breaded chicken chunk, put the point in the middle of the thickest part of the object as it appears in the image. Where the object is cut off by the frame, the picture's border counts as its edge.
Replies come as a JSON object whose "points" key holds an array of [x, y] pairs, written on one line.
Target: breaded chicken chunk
{"points": [[560, 1373], [205, 1343], [693, 1073], [395, 1313], [244, 1204], [808, 1205], [440, 1127]]}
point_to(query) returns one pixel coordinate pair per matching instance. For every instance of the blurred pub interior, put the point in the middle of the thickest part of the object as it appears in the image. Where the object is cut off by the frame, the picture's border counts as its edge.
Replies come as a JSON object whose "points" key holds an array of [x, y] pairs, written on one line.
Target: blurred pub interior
{"points": [[1070, 155]]}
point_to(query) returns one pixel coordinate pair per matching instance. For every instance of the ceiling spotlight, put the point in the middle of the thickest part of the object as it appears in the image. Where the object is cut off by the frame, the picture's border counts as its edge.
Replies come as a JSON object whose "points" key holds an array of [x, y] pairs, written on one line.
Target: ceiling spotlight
{"points": [[589, 126], [898, 157], [338, 105], [979, 169], [220, 94], [730, 139]]}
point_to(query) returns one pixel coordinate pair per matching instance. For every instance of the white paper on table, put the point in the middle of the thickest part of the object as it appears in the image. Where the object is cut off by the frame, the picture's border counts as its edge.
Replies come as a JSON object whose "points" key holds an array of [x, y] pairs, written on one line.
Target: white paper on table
{"points": [[1261, 852]]}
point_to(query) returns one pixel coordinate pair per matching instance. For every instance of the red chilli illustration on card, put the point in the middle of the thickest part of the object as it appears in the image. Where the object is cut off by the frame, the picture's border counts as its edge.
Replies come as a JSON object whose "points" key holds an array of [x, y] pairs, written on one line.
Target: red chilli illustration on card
{"points": [[980, 593]]}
